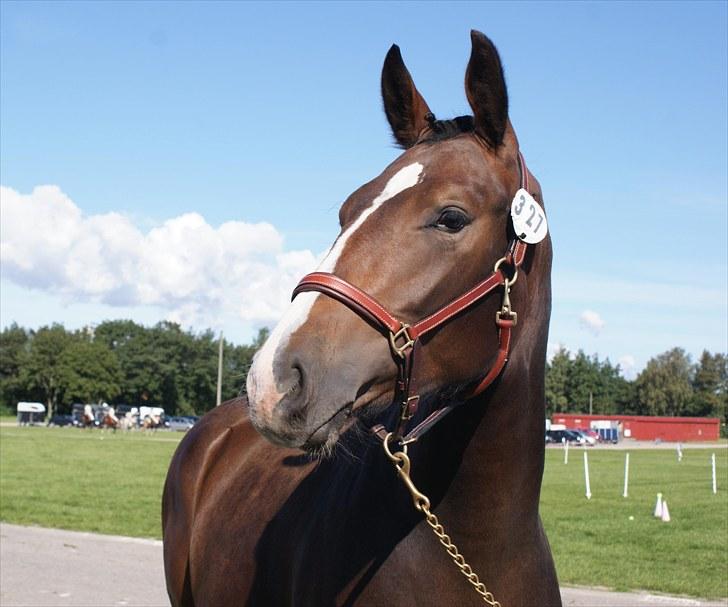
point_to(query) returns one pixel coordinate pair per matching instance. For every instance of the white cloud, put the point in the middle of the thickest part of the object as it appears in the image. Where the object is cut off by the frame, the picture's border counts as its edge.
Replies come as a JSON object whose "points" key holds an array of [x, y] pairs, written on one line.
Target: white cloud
{"points": [[591, 321], [628, 366], [553, 348], [197, 272]]}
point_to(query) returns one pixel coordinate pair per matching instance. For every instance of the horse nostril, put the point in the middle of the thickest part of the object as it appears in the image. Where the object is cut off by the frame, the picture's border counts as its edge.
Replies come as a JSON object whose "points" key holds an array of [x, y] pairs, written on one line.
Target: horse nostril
{"points": [[295, 380]]}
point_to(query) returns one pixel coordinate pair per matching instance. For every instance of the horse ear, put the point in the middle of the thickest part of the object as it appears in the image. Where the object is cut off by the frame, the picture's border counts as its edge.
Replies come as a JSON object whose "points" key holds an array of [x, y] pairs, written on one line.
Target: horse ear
{"points": [[403, 104], [485, 87]]}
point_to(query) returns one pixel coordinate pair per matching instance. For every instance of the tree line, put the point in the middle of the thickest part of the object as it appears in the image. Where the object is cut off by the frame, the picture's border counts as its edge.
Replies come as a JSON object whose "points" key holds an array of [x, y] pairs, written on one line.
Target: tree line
{"points": [[120, 361], [670, 384]]}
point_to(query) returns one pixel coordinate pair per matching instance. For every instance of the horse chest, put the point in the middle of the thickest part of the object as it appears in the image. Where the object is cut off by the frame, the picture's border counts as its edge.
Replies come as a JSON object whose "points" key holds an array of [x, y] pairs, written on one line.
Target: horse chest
{"points": [[330, 540]]}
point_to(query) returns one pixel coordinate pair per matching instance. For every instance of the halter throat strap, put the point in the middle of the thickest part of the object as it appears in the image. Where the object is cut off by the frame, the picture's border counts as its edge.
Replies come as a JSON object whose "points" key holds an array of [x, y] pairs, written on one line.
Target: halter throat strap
{"points": [[406, 339]]}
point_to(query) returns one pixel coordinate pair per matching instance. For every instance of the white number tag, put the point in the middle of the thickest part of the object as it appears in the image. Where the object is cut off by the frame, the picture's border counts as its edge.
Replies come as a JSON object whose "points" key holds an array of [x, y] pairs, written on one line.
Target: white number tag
{"points": [[529, 219]]}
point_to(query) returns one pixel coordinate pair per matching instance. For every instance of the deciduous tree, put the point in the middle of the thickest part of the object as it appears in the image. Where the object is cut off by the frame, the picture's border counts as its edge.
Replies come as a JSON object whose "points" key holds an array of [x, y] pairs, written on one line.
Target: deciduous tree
{"points": [[710, 385], [89, 372], [43, 370], [664, 386], [14, 344]]}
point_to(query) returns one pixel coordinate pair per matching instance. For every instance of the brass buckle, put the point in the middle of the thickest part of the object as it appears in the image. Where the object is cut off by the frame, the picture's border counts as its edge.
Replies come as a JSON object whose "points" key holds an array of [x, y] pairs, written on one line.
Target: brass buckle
{"points": [[405, 407], [401, 334]]}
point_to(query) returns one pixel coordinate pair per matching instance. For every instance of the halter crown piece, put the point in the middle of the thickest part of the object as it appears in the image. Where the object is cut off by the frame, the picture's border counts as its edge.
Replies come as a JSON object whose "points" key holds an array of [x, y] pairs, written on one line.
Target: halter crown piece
{"points": [[405, 340]]}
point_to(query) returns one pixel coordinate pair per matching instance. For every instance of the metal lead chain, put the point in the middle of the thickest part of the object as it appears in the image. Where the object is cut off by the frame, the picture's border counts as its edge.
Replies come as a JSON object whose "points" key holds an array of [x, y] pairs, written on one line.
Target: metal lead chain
{"points": [[458, 558], [422, 503]]}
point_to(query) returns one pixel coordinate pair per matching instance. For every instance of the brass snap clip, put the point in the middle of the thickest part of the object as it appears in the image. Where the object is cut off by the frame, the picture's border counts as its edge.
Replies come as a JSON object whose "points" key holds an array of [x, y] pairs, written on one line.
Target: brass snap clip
{"points": [[505, 313], [402, 463], [401, 334]]}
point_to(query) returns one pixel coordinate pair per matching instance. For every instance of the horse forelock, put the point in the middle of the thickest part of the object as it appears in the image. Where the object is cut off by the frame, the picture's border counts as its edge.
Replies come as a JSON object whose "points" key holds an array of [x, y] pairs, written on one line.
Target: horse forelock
{"points": [[440, 130]]}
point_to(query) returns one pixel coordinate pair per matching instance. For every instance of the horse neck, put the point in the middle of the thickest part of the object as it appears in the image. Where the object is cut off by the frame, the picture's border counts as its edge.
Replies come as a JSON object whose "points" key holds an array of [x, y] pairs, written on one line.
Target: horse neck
{"points": [[488, 456]]}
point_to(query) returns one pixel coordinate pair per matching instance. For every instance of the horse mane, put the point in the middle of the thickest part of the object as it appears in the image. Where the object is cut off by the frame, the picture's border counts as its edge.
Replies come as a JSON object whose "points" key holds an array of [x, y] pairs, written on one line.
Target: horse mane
{"points": [[439, 130]]}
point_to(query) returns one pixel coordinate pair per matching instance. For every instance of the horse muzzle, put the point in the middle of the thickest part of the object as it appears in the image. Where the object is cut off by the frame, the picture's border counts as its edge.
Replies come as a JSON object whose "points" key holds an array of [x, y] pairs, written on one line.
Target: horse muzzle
{"points": [[286, 411]]}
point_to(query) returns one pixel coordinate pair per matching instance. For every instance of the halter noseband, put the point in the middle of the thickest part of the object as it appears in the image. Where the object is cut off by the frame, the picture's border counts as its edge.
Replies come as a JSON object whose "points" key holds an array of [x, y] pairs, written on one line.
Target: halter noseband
{"points": [[405, 340]]}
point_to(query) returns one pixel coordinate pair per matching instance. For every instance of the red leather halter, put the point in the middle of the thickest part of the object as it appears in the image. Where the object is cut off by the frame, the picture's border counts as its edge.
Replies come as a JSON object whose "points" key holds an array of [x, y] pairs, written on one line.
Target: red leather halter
{"points": [[405, 340]]}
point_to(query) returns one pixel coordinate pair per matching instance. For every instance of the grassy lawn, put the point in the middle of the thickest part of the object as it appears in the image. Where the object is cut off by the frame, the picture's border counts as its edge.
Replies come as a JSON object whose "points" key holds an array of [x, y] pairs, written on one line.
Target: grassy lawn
{"points": [[74, 479], [616, 542], [84, 479]]}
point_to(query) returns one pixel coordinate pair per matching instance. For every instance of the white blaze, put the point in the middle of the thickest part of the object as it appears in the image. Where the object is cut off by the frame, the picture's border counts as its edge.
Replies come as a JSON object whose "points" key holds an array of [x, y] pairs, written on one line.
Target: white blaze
{"points": [[261, 383]]}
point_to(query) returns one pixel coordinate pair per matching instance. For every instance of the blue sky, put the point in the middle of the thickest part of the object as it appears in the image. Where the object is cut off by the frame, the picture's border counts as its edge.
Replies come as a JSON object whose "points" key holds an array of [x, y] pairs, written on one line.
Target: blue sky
{"points": [[162, 134]]}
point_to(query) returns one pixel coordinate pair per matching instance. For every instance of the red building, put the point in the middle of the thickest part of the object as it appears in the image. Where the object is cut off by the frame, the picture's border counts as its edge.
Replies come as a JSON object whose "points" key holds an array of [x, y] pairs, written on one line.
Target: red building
{"points": [[645, 427]]}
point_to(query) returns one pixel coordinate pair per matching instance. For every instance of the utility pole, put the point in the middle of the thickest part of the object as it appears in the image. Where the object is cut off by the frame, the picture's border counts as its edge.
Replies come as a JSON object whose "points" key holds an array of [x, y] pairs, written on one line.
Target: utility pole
{"points": [[219, 373], [590, 402]]}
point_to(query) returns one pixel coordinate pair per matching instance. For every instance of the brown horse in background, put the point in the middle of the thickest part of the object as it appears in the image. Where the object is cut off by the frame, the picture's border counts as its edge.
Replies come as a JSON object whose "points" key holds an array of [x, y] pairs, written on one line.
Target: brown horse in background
{"points": [[321, 517], [110, 423]]}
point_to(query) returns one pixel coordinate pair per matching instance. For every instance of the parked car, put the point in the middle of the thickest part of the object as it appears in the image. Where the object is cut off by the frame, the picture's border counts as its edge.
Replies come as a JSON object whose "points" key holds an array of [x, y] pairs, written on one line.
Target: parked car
{"points": [[550, 437], [61, 420], [181, 424], [585, 438], [589, 432], [123, 409], [561, 436]]}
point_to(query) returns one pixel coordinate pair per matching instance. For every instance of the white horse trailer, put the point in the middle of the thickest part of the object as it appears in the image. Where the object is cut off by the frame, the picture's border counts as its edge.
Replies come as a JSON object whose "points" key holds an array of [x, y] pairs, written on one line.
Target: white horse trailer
{"points": [[30, 413]]}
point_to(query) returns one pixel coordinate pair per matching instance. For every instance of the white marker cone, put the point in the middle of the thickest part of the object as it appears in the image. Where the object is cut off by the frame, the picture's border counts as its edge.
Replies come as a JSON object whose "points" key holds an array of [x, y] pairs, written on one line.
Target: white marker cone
{"points": [[658, 506], [665, 512]]}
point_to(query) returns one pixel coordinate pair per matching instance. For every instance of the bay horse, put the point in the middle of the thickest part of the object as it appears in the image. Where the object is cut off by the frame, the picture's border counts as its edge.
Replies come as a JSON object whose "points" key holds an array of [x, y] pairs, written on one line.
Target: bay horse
{"points": [[110, 422], [410, 316]]}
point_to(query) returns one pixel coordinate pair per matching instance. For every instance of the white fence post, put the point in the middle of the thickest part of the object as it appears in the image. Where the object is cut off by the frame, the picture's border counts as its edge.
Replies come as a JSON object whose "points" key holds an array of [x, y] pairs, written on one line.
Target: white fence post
{"points": [[626, 475], [586, 476], [715, 485]]}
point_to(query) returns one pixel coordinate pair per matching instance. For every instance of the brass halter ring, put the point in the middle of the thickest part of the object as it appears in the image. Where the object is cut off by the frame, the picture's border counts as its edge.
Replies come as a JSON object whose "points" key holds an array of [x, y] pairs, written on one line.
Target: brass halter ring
{"points": [[511, 281]]}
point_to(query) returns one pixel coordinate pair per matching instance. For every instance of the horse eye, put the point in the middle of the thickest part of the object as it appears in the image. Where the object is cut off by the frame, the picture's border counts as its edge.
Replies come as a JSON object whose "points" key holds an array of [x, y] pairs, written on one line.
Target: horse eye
{"points": [[452, 220]]}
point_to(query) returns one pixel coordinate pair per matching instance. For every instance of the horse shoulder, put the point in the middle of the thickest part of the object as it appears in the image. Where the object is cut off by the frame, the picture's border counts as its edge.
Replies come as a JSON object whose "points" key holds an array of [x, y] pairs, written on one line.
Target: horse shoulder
{"points": [[222, 456]]}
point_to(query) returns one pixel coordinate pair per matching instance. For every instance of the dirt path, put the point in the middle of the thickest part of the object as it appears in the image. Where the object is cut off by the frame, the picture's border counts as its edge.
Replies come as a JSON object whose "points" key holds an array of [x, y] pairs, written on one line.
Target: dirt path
{"points": [[43, 567]]}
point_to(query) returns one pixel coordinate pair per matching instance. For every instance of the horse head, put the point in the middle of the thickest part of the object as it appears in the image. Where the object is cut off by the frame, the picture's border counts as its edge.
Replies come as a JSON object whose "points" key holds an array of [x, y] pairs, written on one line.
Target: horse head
{"points": [[414, 238]]}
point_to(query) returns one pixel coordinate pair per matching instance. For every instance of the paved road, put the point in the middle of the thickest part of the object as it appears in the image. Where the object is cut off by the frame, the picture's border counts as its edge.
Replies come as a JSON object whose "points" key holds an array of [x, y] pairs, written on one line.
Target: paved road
{"points": [[44, 567], [56, 567]]}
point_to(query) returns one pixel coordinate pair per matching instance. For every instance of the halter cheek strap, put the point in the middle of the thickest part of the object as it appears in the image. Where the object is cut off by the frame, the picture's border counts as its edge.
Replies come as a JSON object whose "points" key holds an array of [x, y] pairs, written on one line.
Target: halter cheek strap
{"points": [[406, 340]]}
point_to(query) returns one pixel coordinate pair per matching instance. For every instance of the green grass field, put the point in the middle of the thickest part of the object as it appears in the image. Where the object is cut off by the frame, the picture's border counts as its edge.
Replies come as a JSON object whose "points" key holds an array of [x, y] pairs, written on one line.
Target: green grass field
{"points": [[596, 542], [84, 479], [106, 483]]}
